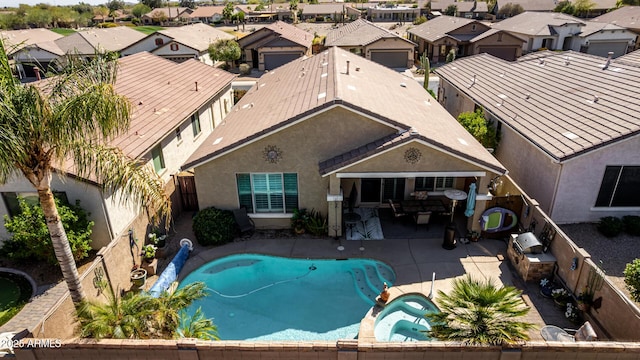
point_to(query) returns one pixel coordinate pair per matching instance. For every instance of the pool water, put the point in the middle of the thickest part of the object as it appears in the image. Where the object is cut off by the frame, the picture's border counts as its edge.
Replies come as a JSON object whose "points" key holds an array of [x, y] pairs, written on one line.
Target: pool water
{"points": [[403, 319], [259, 297]]}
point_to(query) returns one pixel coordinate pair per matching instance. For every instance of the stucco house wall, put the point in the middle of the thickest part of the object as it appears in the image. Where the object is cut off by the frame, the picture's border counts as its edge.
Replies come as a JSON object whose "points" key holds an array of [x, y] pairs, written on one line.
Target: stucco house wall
{"points": [[496, 41], [146, 44], [581, 178], [303, 146], [454, 102]]}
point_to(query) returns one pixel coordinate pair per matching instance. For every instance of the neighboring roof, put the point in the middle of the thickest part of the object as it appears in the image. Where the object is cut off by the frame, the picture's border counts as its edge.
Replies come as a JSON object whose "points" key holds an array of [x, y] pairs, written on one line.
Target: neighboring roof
{"points": [[536, 23], [439, 27], [531, 5], [626, 16], [22, 38], [291, 33], [89, 41], [359, 33], [603, 4], [632, 57], [163, 94], [470, 6], [170, 12], [196, 36], [562, 102], [206, 11], [328, 8], [308, 86], [592, 27]]}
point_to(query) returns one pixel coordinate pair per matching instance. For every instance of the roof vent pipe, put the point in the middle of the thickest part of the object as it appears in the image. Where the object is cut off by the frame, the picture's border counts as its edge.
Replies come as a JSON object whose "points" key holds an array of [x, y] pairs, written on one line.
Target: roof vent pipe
{"points": [[196, 86], [348, 67], [608, 60]]}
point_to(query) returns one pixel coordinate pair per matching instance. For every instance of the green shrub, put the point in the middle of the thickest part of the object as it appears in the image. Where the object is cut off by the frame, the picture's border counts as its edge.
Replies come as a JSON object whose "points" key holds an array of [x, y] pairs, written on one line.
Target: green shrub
{"points": [[631, 224], [31, 239], [245, 69], [316, 223], [610, 226], [632, 279], [213, 226]]}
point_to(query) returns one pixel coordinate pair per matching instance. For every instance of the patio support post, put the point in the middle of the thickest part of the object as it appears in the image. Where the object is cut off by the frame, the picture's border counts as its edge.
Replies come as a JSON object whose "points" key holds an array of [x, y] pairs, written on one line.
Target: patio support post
{"points": [[334, 204]]}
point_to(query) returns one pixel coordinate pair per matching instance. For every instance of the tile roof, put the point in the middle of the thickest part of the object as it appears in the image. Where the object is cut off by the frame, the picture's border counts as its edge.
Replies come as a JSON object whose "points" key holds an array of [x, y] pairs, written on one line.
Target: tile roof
{"points": [[632, 57], [565, 103], [359, 33], [604, 4], [439, 27], [329, 8], [626, 16], [592, 27], [170, 12], [536, 23], [89, 41], [21, 38], [163, 95], [308, 86], [206, 11], [291, 33], [531, 5], [468, 6], [196, 36]]}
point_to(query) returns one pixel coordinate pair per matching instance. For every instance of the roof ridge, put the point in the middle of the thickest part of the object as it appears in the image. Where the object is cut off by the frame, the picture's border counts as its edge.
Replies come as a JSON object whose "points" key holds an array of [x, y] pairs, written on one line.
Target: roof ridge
{"points": [[336, 83]]}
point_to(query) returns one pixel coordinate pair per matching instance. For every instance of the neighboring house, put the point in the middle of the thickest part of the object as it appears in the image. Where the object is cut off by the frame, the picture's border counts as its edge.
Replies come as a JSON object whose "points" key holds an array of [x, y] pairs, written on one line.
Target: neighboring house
{"points": [[569, 125], [601, 7], [375, 43], [626, 17], [307, 132], [557, 31], [275, 45], [465, 9], [529, 5], [180, 43], [15, 40], [177, 14], [393, 13], [330, 11], [632, 57], [438, 36], [117, 15], [175, 107], [207, 14], [45, 55]]}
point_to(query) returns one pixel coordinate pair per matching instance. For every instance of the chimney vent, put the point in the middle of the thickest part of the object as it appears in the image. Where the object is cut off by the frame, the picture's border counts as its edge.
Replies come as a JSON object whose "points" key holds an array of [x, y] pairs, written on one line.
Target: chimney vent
{"points": [[196, 86], [606, 65], [348, 67]]}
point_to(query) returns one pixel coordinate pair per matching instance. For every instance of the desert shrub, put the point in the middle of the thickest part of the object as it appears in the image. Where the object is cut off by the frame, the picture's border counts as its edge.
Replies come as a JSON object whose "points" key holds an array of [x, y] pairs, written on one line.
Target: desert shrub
{"points": [[245, 69], [420, 20], [631, 224], [632, 279], [317, 223], [610, 226], [31, 239], [213, 226]]}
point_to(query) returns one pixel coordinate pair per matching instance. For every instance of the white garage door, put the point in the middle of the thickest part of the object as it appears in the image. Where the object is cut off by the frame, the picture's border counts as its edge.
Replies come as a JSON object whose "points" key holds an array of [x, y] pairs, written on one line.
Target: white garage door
{"points": [[603, 48]]}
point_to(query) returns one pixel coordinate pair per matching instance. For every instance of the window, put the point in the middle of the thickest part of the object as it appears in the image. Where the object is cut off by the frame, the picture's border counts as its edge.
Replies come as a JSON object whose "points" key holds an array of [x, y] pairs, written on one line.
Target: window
{"points": [[268, 193], [158, 158], [499, 36], [174, 47], [393, 188], [619, 187], [195, 124], [13, 206], [433, 183], [178, 135], [159, 41]]}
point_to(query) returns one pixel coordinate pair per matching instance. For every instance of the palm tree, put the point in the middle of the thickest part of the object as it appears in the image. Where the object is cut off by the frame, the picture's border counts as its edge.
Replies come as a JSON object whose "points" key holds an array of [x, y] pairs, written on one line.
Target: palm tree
{"points": [[477, 313], [69, 119], [139, 315], [197, 327]]}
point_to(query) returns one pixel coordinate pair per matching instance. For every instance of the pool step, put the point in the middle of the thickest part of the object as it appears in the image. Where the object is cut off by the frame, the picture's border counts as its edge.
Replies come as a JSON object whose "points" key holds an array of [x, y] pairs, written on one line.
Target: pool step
{"points": [[363, 286]]}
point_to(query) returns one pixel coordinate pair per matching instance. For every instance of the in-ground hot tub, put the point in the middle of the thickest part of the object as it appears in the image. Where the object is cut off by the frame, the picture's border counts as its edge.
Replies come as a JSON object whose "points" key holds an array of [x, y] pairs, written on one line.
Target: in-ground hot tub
{"points": [[403, 319], [16, 288]]}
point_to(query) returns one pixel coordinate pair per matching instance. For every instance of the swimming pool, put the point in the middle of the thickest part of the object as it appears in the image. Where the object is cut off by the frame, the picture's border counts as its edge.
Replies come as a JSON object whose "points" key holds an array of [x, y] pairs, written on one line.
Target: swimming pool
{"points": [[260, 297], [403, 319]]}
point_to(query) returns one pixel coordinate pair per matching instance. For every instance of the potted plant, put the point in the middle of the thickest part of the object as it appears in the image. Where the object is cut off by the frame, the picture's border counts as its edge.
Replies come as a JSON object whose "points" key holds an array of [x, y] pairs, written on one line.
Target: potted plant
{"points": [[560, 297], [546, 288], [138, 276], [572, 314], [474, 236], [158, 240], [299, 221], [149, 252], [585, 299]]}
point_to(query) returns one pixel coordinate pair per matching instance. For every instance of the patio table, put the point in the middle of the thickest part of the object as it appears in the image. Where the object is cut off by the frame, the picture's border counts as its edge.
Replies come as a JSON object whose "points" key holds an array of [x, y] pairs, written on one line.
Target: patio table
{"points": [[436, 206]]}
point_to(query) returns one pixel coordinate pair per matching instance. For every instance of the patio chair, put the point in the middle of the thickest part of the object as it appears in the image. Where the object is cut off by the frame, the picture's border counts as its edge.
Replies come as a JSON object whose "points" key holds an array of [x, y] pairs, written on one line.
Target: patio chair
{"points": [[245, 223], [554, 333], [422, 218], [396, 213]]}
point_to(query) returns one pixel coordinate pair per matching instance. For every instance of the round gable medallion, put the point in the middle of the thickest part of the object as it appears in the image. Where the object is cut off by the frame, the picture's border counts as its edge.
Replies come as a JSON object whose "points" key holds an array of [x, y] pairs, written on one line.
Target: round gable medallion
{"points": [[272, 154], [412, 155]]}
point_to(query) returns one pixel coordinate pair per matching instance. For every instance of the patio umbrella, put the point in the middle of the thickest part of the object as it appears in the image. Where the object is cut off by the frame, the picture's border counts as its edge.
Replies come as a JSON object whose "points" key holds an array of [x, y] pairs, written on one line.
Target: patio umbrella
{"points": [[471, 200]]}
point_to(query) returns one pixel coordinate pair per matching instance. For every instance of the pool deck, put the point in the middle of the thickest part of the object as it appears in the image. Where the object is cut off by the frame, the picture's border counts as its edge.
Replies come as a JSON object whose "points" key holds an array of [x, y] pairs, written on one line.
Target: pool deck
{"points": [[414, 261]]}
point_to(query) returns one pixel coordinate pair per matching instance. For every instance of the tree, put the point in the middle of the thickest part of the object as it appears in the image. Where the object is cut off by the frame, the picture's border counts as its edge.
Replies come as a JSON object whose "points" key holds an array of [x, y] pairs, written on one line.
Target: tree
{"points": [[114, 6], [30, 237], [226, 50], [137, 315], [159, 17], [241, 18], [583, 7], [478, 313], [478, 126], [565, 7], [153, 4], [293, 7], [101, 11], [140, 9], [227, 12], [72, 117], [451, 10], [451, 55], [510, 10], [420, 20], [197, 327], [191, 4], [82, 8]]}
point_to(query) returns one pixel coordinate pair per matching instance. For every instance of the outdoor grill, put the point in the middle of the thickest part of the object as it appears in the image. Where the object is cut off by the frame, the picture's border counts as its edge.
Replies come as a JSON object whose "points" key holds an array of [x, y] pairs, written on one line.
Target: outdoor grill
{"points": [[527, 243]]}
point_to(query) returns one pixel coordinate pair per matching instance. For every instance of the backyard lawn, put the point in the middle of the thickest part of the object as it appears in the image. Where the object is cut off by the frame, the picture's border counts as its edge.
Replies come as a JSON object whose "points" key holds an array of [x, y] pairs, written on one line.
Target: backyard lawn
{"points": [[63, 31], [148, 29]]}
